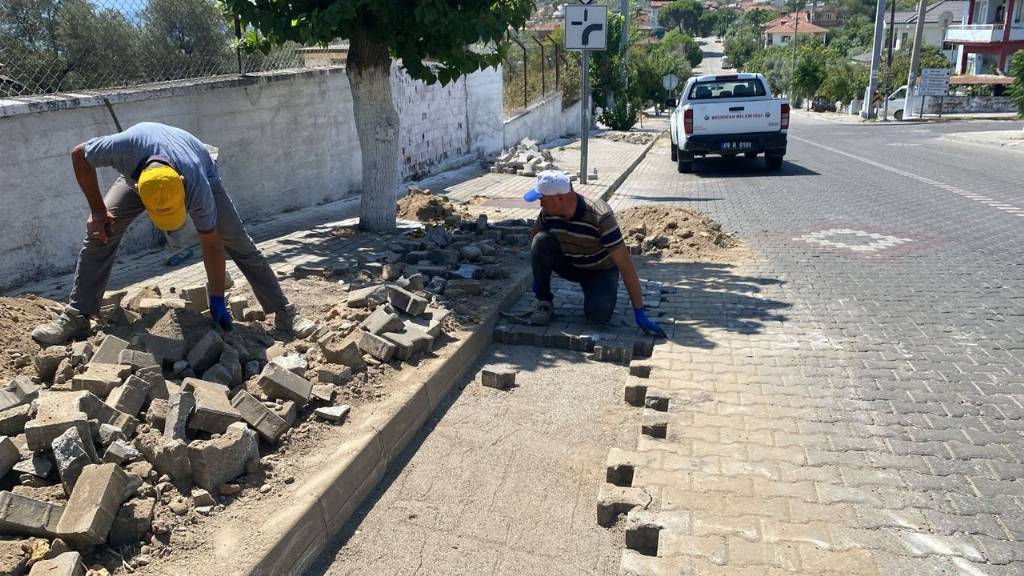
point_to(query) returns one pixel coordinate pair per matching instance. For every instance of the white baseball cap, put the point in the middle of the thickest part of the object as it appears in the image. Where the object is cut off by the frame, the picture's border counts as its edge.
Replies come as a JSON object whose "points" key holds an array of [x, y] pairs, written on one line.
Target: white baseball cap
{"points": [[549, 183]]}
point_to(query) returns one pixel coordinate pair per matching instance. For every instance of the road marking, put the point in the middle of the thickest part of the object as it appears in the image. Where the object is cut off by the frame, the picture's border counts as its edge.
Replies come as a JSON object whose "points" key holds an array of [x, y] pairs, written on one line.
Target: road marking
{"points": [[1008, 208], [875, 242]]}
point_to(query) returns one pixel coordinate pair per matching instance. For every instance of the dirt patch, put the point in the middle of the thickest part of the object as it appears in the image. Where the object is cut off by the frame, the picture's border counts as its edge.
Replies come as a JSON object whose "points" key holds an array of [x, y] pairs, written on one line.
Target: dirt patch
{"points": [[18, 316], [423, 205], [677, 233]]}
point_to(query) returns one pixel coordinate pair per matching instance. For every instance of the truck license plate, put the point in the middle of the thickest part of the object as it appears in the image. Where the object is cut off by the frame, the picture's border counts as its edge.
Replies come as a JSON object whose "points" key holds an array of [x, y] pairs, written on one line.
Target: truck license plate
{"points": [[736, 145]]}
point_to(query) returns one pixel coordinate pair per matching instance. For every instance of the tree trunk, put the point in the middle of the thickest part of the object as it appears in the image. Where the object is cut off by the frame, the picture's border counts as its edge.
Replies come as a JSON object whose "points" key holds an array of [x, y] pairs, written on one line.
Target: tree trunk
{"points": [[369, 74]]}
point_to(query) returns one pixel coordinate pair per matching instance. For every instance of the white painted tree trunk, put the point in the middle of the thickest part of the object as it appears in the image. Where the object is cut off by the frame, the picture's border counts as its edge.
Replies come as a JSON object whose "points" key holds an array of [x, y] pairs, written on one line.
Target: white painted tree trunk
{"points": [[369, 74]]}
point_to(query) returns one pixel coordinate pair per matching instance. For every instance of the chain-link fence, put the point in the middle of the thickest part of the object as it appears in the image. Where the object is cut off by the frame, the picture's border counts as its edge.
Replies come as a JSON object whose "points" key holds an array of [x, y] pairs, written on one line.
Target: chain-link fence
{"points": [[52, 46], [535, 68]]}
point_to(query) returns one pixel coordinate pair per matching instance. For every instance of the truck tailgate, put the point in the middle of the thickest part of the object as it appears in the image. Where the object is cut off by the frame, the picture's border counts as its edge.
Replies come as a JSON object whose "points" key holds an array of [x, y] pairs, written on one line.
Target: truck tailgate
{"points": [[738, 117]]}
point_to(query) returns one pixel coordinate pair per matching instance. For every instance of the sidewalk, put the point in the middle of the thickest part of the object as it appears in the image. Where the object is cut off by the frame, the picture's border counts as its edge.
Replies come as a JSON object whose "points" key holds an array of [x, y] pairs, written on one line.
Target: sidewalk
{"points": [[295, 238], [1005, 139], [844, 118]]}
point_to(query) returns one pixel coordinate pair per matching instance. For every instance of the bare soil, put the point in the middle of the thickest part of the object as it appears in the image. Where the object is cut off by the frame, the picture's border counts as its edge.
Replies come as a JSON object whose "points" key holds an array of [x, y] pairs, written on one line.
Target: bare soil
{"points": [[676, 233], [18, 316]]}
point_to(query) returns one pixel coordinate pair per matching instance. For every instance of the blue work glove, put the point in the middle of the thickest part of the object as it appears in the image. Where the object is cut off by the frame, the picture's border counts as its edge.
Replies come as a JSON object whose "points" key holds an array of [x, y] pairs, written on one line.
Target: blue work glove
{"points": [[645, 324], [219, 312]]}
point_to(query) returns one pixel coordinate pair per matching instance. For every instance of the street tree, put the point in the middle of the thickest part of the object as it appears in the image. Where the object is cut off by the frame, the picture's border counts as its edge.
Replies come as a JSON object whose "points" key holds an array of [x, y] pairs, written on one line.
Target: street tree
{"points": [[434, 40], [1016, 91], [683, 45], [185, 38], [741, 45], [683, 15]]}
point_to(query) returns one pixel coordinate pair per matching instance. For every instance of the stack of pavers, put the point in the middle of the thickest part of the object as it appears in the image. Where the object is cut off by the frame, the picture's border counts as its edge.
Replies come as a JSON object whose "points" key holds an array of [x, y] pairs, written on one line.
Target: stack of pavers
{"points": [[525, 159]]}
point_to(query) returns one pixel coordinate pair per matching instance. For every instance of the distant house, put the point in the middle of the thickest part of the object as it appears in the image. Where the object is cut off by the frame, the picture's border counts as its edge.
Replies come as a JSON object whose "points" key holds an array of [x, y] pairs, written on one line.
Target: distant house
{"points": [[938, 17], [990, 31], [780, 32]]}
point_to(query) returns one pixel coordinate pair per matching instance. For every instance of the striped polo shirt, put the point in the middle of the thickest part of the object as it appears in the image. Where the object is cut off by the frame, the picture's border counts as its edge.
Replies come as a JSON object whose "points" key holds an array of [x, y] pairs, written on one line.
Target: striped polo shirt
{"points": [[588, 235]]}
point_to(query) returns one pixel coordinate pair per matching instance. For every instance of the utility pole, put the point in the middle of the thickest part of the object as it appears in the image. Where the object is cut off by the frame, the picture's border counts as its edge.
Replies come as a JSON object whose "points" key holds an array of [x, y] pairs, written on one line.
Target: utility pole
{"points": [[796, 6], [888, 62], [866, 110], [915, 61], [624, 44], [584, 114]]}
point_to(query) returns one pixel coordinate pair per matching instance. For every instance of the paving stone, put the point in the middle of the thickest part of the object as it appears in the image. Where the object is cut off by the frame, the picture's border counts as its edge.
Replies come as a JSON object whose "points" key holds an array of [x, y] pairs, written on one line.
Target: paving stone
{"points": [[206, 352], [218, 374], [412, 283], [137, 359], [92, 507], [406, 301], [130, 396], [215, 462], [72, 454], [196, 298], [278, 383], [133, 521], [109, 350], [410, 343], [431, 321], [55, 413], [381, 320], [66, 564], [13, 420], [100, 413], [39, 465], [287, 411], [376, 346], [500, 378], [9, 455], [180, 407], [367, 297], [334, 414], [156, 414], [615, 500], [47, 362], [213, 412], [17, 392], [339, 349], [293, 363], [166, 339], [101, 378], [120, 452], [269, 425], [231, 360], [335, 374], [323, 393], [167, 456], [254, 315], [458, 287], [238, 304], [23, 516]]}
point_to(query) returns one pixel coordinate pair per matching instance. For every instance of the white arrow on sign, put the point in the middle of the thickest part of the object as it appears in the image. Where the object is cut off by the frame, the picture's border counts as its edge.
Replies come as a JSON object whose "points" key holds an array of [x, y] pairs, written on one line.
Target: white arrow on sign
{"points": [[586, 27]]}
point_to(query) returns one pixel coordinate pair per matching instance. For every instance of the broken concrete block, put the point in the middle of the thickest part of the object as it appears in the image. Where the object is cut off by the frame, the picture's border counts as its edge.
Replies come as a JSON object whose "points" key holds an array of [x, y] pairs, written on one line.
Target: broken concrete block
{"points": [[23, 516], [376, 346], [72, 454], [333, 413], [338, 349], [137, 359], [206, 353], [168, 457], [238, 304], [156, 415], [81, 352], [154, 377], [218, 374], [410, 343], [196, 298], [109, 351], [130, 396], [335, 374], [47, 362], [90, 511], [39, 465], [18, 391], [166, 339], [293, 363], [431, 321], [366, 297], [66, 564], [412, 283], [278, 383], [231, 360], [269, 425], [323, 393], [213, 412], [13, 420], [107, 433], [287, 411], [254, 315], [383, 319], [96, 410], [202, 497], [133, 521], [101, 378], [120, 452], [216, 461], [55, 413], [65, 372], [407, 301], [498, 378], [9, 455], [179, 408]]}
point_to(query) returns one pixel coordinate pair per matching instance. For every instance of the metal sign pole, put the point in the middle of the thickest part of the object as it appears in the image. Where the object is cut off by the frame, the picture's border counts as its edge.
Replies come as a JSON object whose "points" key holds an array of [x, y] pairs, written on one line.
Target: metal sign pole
{"points": [[584, 114]]}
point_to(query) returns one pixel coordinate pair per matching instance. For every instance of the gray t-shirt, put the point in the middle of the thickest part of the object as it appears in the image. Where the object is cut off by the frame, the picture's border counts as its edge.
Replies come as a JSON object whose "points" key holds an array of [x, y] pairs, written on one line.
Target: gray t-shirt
{"points": [[128, 151]]}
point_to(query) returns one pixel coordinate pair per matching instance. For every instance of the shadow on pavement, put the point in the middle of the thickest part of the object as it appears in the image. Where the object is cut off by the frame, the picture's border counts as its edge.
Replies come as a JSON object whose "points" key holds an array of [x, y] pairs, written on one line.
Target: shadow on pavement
{"points": [[739, 167]]}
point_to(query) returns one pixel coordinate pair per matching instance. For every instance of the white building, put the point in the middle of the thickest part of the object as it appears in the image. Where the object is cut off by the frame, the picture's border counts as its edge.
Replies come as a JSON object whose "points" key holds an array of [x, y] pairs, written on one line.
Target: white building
{"points": [[938, 18]]}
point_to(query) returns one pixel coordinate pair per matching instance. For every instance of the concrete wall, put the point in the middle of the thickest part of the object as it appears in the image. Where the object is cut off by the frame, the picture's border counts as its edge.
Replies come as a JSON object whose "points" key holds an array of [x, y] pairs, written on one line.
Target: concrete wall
{"points": [[287, 140], [968, 104], [542, 122]]}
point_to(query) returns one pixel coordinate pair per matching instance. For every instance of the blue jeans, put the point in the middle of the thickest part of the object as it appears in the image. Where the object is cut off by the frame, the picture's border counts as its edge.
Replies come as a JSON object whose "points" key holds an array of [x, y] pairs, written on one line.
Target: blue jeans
{"points": [[600, 287]]}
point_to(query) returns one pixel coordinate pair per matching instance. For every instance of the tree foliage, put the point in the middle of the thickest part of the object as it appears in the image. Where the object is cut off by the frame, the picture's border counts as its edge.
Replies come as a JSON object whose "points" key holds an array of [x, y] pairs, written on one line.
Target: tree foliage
{"points": [[740, 46], [683, 15], [679, 43], [1016, 90]]}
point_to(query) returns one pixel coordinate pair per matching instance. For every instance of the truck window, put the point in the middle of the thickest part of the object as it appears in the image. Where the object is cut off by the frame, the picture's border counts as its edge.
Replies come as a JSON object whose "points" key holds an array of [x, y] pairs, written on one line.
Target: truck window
{"points": [[726, 89]]}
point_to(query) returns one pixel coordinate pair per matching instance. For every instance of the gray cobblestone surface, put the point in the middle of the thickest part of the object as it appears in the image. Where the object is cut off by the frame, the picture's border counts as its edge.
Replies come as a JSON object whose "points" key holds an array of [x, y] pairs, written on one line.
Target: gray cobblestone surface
{"points": [[833, 410]]}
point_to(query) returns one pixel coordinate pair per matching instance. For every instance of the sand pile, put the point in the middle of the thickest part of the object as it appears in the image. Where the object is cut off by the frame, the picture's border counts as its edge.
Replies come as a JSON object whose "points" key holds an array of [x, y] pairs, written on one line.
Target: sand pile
{"points": [[18, 316], [672, 232], [424, 206]]}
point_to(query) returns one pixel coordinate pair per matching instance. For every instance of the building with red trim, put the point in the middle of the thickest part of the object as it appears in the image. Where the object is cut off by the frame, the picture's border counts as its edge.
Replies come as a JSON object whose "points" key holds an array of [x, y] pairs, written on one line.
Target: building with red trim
{"points": [[992, 31]]}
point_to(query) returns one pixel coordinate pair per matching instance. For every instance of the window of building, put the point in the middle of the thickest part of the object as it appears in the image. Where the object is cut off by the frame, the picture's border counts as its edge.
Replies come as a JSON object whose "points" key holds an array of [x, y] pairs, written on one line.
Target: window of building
{"points": [[785, 39]]}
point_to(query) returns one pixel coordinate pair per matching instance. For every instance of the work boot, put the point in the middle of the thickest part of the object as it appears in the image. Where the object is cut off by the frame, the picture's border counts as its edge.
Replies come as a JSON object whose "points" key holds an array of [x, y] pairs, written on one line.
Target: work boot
{"points": [[292, 322], [70, 325], [542, 314]]}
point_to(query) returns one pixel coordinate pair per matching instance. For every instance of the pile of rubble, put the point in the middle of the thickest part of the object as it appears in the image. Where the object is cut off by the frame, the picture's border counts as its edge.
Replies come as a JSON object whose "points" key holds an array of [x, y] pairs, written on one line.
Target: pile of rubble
{"points": [[526, 159], [119, 442], [674, 232], [422, 205], [642, 138]]}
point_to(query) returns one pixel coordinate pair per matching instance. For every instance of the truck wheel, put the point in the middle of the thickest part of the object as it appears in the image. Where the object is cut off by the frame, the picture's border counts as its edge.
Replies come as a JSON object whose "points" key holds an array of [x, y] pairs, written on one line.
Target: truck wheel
{"points": [[684, 162], [898, 115], [750, 155], [773, 162], [675, 151]]}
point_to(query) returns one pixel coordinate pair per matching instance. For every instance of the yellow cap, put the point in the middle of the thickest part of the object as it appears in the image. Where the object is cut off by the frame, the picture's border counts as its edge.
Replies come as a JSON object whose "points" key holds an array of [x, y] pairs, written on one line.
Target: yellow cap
{"points": [[163, 194]]}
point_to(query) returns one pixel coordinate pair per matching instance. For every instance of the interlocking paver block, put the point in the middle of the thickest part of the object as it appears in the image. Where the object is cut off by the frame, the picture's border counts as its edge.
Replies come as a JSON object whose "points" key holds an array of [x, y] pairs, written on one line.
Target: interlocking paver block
{"points": [[279, 383], [20, 390], [269, 425], [23, 516], [407, 301], [213, 410], [101, 378], [109, 351], [339, 349], [376, 346], [130, 396], [90, 511], [234, 453]]}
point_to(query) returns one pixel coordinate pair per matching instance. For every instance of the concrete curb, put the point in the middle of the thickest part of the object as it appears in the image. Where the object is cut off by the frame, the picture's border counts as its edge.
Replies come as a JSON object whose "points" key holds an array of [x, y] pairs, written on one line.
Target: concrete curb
{"points": [[626, 173], [961, 138], [296, 535]]}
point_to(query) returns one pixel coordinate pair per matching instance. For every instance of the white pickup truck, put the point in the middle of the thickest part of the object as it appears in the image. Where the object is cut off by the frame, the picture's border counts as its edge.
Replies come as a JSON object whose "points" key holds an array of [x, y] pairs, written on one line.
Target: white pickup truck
{"points": [[728, 114]]}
